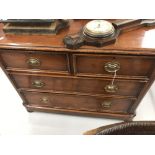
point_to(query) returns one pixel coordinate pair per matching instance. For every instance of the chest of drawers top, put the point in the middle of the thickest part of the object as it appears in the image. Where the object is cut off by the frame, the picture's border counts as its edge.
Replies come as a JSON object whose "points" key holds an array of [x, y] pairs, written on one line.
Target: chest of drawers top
{"points": [[138, 41]]}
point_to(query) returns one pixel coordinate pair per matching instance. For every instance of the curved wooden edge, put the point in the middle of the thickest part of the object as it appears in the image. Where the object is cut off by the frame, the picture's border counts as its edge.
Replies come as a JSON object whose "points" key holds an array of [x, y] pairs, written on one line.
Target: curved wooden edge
{"points": [[122, 125], [99, 129], [94, 131]]}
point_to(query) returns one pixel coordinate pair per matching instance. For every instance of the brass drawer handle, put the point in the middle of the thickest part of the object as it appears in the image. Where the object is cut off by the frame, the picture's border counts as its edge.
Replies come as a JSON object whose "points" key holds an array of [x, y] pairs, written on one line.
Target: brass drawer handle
{"points": [[44, 100], [106, 104], [112, 66], [111, 88], [38, 84], [34, 62]]}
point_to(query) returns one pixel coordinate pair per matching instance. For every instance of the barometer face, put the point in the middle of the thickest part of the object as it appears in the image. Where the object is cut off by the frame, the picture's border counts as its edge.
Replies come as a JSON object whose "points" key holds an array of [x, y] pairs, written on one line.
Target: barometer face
{"points": [[98, 28]]}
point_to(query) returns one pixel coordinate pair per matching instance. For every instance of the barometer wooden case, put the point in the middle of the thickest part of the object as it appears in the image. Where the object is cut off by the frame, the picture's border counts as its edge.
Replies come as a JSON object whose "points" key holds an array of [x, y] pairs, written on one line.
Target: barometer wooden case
{"points": [[101, 32]]}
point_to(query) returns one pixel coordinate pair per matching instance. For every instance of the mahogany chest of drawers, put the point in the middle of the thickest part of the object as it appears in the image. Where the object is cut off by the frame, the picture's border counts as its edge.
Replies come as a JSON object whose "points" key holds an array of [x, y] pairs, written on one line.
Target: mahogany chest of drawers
{"points": [[52, 78]]}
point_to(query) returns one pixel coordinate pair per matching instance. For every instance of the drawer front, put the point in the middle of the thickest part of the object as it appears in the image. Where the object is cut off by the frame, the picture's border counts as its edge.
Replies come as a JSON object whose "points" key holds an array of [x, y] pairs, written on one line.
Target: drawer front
{"points": [[87, 103], [107, 65], [82, 85], [51, 62]]}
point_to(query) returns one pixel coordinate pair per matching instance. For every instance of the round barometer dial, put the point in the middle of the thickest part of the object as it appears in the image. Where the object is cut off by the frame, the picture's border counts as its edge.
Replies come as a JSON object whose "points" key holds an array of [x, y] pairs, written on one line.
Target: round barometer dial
{"points": [[98, 28]]}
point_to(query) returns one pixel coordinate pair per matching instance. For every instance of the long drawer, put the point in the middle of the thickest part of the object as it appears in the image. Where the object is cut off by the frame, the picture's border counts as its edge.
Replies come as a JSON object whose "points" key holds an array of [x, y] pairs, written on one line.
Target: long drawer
{"points": [[74, 102], [106, 65], [50, 62], [82, 85]]}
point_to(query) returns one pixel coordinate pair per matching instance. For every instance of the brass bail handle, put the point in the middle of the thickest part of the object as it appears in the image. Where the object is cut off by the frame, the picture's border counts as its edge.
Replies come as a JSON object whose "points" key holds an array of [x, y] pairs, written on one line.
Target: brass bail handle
{"points": [[38, 84], [44, 100], [112, 67], [34, 62], [106, 104]]}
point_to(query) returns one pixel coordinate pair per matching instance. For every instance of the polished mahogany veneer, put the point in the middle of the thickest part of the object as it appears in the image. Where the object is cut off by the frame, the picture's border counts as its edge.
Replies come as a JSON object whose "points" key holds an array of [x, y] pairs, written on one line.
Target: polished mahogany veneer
{"points": [[77, 85], [48, 62], [78, 102], [129, 65], [51, 78]]}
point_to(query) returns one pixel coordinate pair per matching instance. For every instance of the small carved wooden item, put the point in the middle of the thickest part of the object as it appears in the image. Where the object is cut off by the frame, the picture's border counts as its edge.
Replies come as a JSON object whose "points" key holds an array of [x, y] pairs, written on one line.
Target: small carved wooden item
{"points": [[34, 26]]}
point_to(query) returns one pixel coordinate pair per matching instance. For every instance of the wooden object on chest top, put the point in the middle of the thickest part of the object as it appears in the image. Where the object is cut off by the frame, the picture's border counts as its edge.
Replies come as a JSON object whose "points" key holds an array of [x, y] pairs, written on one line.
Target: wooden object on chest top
{"points": [[108, 81]]}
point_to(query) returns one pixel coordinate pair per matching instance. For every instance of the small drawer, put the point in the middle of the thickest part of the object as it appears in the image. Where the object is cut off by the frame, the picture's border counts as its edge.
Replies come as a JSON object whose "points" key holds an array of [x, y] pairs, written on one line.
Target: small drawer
{"points": [[73, 102], [79, 85], [28, 60], [107, 65]]}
